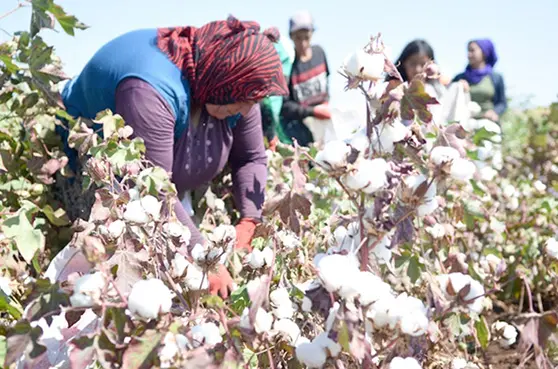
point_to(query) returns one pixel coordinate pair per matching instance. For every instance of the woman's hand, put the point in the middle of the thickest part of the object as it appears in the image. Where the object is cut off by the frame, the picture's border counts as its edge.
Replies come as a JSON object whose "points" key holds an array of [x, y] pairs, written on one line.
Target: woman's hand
{"points": [[491, 114], [466, 86], [244, 232], [220, 282], [273, 143], [322, 112]]}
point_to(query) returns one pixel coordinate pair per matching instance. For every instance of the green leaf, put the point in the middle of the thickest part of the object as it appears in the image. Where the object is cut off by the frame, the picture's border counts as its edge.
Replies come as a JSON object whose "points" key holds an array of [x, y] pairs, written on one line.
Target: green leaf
{"points": [[57, 217], [483, 332], [240, 300], [68, 22], [214, 302], [3, 349], [414, 269], [9, 64], [7, 305], [482, 135], [141, 352], [28, 239], [344, 337]]}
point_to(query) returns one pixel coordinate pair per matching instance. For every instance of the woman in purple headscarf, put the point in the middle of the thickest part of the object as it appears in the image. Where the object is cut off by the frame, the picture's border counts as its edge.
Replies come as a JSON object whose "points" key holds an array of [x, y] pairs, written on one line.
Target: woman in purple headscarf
{"points": [[485, 86]]}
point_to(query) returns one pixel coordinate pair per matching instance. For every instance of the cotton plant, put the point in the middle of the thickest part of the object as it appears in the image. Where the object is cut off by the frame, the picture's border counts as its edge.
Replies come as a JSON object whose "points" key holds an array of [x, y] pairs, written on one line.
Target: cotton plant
{"points": [[505, 333], [469, 290]]}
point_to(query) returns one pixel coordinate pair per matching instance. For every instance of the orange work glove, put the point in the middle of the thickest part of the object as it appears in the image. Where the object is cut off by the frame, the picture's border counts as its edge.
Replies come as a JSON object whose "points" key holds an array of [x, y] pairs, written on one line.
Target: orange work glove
{"points": [[220, 281], [244, 232], [273, 143], [322, 112]]}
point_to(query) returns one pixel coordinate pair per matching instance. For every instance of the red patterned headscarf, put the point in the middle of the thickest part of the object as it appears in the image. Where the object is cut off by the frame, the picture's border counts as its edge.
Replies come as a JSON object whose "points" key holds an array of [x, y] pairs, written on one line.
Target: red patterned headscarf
{"points": [[226, 61]]}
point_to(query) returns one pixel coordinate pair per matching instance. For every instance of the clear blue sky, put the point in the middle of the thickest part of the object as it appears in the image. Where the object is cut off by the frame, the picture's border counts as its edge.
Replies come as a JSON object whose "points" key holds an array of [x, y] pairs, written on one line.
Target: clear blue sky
{"points": [[524, 32]]}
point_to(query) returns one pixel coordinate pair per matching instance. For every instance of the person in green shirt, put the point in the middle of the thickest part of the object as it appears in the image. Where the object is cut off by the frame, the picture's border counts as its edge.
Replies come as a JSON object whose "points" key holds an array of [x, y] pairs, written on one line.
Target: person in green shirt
{"points": [[271, 106], [484, 84]]}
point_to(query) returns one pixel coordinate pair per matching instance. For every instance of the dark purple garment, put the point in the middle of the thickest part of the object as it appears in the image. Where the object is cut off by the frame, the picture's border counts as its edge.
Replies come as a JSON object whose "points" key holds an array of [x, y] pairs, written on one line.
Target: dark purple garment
{"points": [[202, 152]]}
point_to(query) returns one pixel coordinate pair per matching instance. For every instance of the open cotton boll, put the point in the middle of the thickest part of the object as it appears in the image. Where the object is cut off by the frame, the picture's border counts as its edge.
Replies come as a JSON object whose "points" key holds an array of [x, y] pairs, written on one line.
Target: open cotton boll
{"points": [[289, 329], [477, 293], [196, 278], [363, 65], [116, 228], [5, 286], [409, 308], [149, 298], [334, 154], [262, 323], [179, 265], [371, 288], [280, 296], [152, 206], [360, 142], [379, 311], [87, 290], [255, 259], [135, 213], [443, 154], [551, 247], [386, 135], [206, 333], [369, 176], [414, 324], [437, 231], [462, 169], [284, 311], [382, 250], [311, 354], [328, 344], [507, 333], [404, 363], [289, 240], [199, 252], [336, 271]]}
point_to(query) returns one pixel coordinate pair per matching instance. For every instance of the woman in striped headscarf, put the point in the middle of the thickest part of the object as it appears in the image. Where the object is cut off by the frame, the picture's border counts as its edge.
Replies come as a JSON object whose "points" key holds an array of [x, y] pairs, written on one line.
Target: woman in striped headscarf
{"points": [[192, 95]]}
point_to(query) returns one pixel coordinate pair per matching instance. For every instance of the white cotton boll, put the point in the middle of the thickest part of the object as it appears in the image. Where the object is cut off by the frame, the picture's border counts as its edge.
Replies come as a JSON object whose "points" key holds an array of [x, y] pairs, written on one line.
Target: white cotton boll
{"points": [[477, 293], [256, 259], [289, 329], [285, 311], [334, 154], [317, 258], [371, 288], [497, 226], [289, 240], [369, 176], [437, 231], [223, 234], [488, 174], [462, 170], [135, 213], [196, 278], [460, 363], [116, 228], [336, 271], [404, 306], [339, 235], [459, 281], [510, 191], [539, 186], [179, 265], [149, 298], [328, 344], [414, 324], [428, 207], [152, 206], [199, 252], [414, 181], [551, 248], [173, 229], [311, 354], [262, 323], [379, 311], [267, 253], [493, 261], [382, 250], [443, 154], [87, 290], [506, 332], [404, 363], [360, 142], [280, 296], [168, 350], [386, 135], [363, 65], [5, 286], [134, 194], [206, 333]]}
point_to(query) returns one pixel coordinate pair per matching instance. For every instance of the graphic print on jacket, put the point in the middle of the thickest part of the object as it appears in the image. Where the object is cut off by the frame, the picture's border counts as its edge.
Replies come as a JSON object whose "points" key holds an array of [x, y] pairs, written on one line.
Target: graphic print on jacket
{"points": [[309, 80]]}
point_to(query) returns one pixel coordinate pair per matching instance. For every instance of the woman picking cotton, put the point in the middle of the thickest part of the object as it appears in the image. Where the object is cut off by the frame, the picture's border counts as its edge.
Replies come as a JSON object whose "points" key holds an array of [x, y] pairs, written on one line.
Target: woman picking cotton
{"points": [[192, 95], [484, 84]]}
